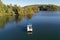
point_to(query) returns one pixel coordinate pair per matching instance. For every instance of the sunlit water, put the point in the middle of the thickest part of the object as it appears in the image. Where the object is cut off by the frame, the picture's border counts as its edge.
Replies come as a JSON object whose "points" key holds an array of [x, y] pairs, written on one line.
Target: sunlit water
{"points": [[46, 26]]}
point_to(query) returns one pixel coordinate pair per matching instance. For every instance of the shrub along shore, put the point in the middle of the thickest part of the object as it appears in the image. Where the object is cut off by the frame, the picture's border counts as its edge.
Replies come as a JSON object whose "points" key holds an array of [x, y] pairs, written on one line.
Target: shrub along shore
{"points": [[9, 10]]}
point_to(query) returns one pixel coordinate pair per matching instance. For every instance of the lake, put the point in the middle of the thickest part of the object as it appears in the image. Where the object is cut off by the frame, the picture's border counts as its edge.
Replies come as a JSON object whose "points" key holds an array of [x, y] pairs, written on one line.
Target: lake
{"points": [[46, 26]]}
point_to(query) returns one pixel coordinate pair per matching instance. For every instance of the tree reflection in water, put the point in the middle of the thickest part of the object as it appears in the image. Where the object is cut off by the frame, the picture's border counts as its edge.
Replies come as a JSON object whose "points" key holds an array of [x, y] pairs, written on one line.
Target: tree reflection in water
{"points": [[10, 19], [4, 20]]}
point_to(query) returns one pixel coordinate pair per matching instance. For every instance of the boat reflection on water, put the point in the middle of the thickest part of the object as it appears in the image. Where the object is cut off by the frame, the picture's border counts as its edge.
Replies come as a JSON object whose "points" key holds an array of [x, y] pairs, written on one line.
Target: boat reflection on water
{"points": [[29, 32]]}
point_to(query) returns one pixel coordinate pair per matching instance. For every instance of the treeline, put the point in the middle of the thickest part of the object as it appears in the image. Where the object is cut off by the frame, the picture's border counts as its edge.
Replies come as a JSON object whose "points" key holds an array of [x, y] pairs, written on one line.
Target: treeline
{"points": [[5, 10], [49, 7], [9, 10]]}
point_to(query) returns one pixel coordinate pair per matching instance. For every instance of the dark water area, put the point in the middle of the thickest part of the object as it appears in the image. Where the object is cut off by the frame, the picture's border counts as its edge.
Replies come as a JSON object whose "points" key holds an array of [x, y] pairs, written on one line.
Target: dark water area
{"points": [[46, 26]]}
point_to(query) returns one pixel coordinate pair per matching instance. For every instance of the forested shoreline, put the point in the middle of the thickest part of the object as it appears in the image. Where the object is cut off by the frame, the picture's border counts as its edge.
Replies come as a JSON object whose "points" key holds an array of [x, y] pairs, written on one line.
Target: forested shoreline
{"points": [[9, 10]]}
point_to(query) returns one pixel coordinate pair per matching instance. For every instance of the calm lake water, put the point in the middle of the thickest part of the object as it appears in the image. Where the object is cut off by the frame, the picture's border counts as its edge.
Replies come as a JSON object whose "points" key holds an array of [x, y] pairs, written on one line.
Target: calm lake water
{"points": [[46, 26]]}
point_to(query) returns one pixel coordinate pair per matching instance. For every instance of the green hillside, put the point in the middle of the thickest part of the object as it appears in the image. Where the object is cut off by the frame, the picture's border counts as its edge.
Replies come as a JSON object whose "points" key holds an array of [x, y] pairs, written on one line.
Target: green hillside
{"points": [[9, 10]]}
